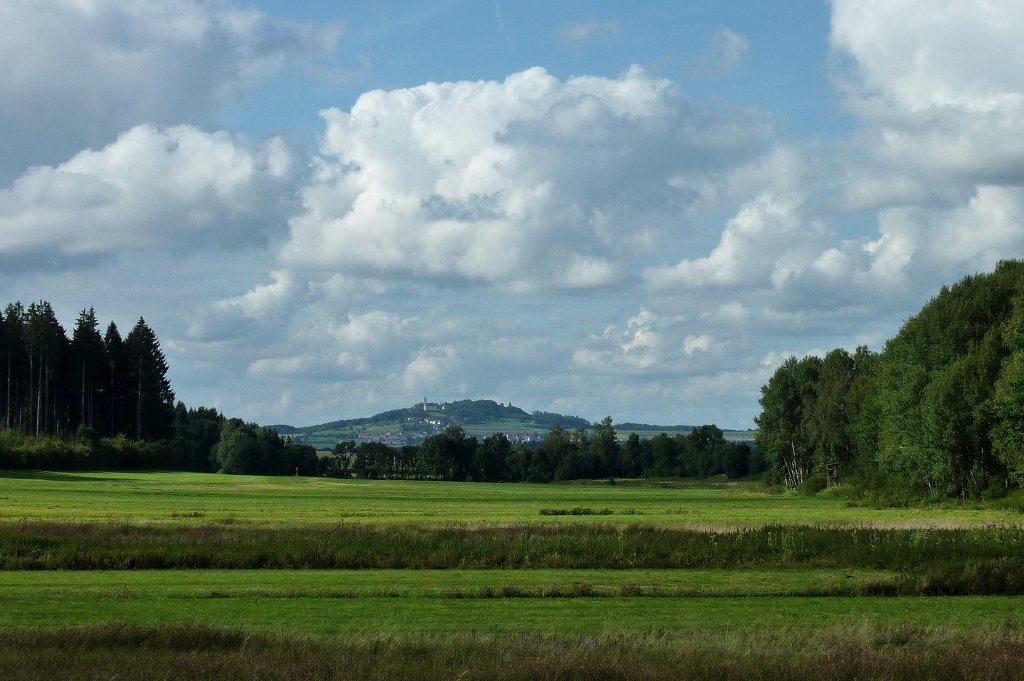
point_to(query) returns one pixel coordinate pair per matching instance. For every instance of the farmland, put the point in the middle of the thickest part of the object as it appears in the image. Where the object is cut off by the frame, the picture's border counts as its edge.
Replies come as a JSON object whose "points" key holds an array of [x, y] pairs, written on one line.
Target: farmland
{"points": [[225, 576]]}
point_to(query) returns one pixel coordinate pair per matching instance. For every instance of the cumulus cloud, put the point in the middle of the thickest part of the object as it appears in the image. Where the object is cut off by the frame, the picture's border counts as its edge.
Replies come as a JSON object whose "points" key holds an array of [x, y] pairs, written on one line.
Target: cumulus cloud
{"points": [[973, 236], [545, 187], [650, 344], [869, 187], [767, 240], [265, 299], [943, 82], [701, 343], [525, 184], [176, 189], [78, 72], [429, 368], [939, 90], [730, 313]]}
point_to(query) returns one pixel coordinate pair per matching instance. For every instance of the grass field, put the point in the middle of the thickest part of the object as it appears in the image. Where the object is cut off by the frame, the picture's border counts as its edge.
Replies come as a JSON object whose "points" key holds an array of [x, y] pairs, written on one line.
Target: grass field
{"points": [[201, 498], [303, 616], [157, 585], [663, 579]]}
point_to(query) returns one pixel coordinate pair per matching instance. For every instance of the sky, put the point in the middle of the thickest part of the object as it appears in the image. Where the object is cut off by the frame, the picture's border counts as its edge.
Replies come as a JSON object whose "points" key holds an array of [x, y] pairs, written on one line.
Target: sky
{"points": [[325, 210]]}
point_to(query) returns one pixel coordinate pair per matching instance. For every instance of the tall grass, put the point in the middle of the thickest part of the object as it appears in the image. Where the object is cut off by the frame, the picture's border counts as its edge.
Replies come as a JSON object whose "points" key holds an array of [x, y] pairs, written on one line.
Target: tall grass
{"points": [[200, 653], [87, 546]]}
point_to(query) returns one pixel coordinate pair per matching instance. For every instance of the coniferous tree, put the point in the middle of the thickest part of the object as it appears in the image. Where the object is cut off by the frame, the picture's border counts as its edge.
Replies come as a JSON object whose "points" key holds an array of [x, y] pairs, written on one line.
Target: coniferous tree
{"points": [[152, 399], [90, 367], [48, 355], [14, 365], [116, 399]]}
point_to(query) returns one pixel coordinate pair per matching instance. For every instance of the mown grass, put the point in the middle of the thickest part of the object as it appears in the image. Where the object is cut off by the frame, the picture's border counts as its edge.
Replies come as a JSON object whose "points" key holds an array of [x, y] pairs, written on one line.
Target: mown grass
{"points": [[316, 616], [203, 498], [264, 584], [200, 653], [199, 584]]}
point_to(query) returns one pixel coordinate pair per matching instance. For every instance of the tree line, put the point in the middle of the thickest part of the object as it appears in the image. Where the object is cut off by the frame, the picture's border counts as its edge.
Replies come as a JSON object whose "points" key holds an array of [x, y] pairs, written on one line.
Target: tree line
{"points": [[54, 385], [939, 412], [562, 455], [103, 401]]}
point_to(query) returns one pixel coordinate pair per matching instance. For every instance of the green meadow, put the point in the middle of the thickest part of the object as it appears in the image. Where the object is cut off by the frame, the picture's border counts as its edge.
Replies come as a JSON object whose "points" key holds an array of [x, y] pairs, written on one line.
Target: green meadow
{"points": [[223, 576], [374, 615], [202, 498]]}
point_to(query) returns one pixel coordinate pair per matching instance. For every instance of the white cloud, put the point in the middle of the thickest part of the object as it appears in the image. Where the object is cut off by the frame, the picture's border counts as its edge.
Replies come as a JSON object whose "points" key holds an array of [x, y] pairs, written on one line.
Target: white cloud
{"points": [[78, 72], [701, 343], [368, 328], [732, 313], [764, 241], [525, 184], [430, 369], [833, 264], [971, 237], [774, 358], [543, 187], [176, 189], [942, 54], [724, 52], [872, 188], [277, 367], [651, 344], [266, 299], [943, 81]]}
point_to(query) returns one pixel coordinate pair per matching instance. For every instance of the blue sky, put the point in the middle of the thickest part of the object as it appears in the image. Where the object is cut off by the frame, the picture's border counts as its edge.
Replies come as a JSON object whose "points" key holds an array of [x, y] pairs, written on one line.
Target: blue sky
{"points": [[397, 45], [330, 209]]}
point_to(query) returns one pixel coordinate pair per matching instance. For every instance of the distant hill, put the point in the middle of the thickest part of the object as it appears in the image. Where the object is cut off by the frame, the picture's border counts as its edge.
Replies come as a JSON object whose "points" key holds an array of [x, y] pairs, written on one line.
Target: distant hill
{"points": [[641, 427], [478, 418], [468, 411], [412, 424]]}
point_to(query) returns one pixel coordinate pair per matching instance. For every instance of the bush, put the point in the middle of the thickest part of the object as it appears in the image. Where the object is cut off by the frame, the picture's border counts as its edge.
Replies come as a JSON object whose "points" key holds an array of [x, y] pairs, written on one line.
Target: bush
{"points": [[83, 452], [812, 485], [842, 491]]}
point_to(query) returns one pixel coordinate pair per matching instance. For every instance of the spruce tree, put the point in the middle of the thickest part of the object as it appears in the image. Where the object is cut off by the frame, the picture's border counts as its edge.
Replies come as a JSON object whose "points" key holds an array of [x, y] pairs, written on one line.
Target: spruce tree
{"points": [[116, 395], [89, 360], [151, 396], [14, 361], [48, 359]]}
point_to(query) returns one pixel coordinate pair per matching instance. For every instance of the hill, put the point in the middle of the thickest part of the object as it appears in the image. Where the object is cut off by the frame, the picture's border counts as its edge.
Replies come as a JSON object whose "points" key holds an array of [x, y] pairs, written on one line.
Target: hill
{"points": [[411, 425], [479, 418], [645, 430]]}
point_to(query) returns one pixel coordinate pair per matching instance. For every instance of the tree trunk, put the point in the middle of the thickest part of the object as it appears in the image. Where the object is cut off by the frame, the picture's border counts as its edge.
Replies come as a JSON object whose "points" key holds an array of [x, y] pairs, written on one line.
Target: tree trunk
{"points": [[7, 414], [138, 406], [81, 414], [39, 395]]}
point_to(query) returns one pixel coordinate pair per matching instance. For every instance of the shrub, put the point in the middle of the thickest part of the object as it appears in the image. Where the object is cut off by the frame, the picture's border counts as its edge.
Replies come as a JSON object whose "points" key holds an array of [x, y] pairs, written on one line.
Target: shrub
{"points": [[812, 485]]}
